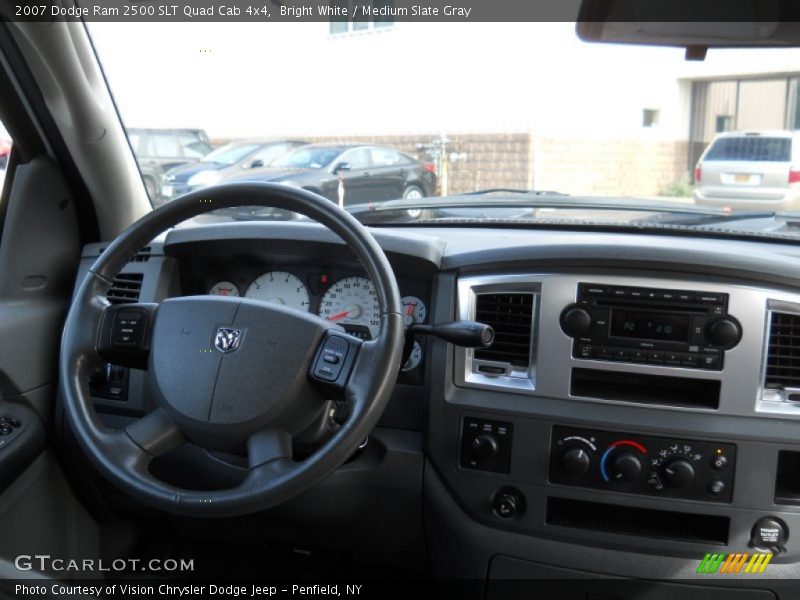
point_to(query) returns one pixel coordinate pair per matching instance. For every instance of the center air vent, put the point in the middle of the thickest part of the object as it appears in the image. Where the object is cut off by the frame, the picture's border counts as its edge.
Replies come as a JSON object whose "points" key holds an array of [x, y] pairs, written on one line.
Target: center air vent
{"points": [[125, 289], [511, 316], [783, 353]]}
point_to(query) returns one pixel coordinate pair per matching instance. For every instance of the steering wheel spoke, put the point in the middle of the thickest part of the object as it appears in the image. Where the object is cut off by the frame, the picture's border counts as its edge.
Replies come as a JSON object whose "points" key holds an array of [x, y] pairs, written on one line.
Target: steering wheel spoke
{"points": [[334, 362], [125, 333], [156, 433], [267, 446]]}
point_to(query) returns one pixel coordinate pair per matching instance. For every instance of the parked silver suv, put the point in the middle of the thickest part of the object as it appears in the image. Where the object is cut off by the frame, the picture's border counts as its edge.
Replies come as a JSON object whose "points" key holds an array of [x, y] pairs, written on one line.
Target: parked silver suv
{"points": [[757, 170]]}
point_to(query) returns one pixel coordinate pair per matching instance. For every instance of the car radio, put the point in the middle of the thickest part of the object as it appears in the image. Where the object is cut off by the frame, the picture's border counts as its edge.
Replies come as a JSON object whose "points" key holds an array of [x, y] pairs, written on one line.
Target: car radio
{"points": [[678, 328]]}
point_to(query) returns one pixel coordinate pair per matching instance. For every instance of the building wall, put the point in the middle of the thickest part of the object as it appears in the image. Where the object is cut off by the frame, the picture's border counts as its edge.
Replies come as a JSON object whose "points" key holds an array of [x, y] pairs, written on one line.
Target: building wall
{"points": [[576, 165]]}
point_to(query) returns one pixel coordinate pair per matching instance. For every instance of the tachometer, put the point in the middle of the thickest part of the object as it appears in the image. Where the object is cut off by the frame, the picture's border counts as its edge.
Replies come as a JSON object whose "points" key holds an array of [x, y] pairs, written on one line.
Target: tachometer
{"points": [[280, 287], [224, 288], [352, 303]]}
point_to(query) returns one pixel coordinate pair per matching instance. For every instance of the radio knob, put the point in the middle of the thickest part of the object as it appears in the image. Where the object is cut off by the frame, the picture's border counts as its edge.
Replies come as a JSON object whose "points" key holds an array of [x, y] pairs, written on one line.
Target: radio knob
{"points": [[485, 446], [576, 321], [626, 466], [724, 332], [678, 472], [576, 461]]}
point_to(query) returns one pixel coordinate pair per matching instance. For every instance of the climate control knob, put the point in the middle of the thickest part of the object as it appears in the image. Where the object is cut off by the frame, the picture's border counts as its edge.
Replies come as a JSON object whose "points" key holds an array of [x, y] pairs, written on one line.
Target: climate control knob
{"points": [[625, 467], [678, 472], [724, 332], [576, 461], [484, 446], [576, 321]]}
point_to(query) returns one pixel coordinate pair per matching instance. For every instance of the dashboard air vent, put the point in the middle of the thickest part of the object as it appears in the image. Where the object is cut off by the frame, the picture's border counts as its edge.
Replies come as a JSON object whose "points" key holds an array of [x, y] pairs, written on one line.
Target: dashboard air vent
{"points": [[125, 289], [511, 316], [783, 353]]}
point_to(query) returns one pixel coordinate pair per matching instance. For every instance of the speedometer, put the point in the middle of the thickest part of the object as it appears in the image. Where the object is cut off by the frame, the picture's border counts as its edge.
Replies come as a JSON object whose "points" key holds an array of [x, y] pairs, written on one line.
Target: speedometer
{"points": [[280, 287], [353, 304]]}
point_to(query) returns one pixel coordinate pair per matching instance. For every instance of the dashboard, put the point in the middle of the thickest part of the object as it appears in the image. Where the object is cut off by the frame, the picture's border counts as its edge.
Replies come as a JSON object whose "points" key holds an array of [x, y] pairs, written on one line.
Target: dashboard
{"points": [[642, 394]]}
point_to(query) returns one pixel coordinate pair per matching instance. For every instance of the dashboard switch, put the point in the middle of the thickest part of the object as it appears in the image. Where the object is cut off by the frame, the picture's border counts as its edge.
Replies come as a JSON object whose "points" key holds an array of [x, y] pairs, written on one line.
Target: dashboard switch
{"points": [[625, 467], [486, 445], [678, 472], [576, 461]]}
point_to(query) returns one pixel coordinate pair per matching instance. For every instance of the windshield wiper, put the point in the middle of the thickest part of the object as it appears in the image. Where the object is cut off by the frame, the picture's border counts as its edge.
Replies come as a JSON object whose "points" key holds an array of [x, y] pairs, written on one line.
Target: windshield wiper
{"points": [[514, 191]]}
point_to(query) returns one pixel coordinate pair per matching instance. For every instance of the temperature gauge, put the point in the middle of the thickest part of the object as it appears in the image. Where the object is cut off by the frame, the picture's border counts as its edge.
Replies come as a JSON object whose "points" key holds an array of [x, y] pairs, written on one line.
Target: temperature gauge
{"points": [[414, 359], [224, 288], [414, 310]]}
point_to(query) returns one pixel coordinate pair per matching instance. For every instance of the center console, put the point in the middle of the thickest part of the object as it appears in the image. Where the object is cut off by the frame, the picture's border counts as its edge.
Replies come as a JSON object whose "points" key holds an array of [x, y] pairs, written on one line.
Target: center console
{"points": [[627, 412]]}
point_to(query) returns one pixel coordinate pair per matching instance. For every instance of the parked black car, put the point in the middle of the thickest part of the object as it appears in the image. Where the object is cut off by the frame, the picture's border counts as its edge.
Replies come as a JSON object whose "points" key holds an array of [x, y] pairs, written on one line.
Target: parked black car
{"points": [[223, 163], [368, 173], [159, 150]]}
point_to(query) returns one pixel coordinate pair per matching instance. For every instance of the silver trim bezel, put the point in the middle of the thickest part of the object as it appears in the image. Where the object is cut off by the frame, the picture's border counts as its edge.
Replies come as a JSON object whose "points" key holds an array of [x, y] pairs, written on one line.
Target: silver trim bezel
{"points": [[466, 364], [741, 378]]}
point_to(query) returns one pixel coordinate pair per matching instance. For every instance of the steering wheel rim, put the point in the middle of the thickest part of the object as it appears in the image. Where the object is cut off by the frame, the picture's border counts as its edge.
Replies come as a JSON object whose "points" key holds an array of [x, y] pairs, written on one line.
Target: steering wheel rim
{"points": [[122, 456]]}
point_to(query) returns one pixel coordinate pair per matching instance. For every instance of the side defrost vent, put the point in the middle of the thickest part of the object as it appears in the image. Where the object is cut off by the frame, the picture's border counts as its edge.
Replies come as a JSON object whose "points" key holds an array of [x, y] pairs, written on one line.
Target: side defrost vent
{"points": [[125, 289], [783, 352], [511, 316]]}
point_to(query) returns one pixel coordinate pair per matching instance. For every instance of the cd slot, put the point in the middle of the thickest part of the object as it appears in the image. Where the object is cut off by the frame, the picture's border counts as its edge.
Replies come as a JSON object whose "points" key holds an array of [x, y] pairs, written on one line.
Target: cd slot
{"points": [[645, 388]]}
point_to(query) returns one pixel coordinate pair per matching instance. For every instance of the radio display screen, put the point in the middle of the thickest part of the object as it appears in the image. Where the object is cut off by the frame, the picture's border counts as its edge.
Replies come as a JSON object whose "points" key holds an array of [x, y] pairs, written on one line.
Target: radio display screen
{"points": [[647, 325]]}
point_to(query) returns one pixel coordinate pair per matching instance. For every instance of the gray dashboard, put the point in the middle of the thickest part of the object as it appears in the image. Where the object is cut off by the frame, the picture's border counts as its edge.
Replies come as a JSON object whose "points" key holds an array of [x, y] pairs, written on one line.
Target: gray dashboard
{"points": [[753, 425]]}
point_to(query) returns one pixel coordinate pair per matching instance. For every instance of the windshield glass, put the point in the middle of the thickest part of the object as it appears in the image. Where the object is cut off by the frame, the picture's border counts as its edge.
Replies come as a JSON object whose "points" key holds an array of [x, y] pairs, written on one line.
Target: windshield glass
{"points": [[529, 114], [230, 154], [308, 158]]}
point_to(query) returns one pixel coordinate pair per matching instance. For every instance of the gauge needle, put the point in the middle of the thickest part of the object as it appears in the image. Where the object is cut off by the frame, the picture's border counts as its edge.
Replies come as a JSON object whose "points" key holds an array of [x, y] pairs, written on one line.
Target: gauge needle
{"points": [[339, 316], [410, 310]]}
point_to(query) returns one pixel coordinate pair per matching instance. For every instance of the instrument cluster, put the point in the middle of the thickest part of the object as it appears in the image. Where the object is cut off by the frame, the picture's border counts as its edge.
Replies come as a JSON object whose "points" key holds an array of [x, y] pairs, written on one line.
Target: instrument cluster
{"points": [[350, 301]]}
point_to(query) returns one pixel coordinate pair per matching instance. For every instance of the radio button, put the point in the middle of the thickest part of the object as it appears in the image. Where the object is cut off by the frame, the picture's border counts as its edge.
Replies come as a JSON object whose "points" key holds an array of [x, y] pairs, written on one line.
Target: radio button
{"points": [[639, 355], [621, 354], [585, 351], [589, 289], [672, 358], [688, 360], [685, 296], [600, 320], [698, 337], [709, 361], [709, 298], [620, 292], [669, 295], [604, 353], [635, 293], [655, 357]]}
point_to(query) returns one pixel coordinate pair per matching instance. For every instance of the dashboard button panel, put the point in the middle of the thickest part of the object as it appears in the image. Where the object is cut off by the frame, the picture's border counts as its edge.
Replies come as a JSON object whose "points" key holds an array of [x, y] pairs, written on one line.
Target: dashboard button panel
{"points": [[642, 464], [486, 445]]}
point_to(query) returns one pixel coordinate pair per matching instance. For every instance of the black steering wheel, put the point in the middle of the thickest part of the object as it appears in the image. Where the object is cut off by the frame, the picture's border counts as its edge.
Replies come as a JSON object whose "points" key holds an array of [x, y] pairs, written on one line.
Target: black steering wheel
{"points": [[228, 374]]}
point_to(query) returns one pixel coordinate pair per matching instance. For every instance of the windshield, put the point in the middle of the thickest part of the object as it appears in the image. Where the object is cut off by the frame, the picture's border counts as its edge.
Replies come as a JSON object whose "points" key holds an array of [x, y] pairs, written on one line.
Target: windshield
{"points": [[308, 158], [230, 154], [528, 110]]}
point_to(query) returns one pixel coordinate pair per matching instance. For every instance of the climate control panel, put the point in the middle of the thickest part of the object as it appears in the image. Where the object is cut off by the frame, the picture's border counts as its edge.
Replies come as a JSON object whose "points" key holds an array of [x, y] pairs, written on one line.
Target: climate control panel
{"points": [[640, 464]]}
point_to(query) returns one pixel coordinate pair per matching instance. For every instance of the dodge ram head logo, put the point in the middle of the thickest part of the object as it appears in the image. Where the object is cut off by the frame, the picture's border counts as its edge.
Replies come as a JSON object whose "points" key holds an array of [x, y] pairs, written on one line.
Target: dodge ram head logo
{"points": [[227, 340]]}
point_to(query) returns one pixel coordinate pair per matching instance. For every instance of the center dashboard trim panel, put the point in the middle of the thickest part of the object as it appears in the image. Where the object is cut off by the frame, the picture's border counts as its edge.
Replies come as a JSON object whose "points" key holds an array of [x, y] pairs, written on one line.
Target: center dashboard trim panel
{"points": [[552, 362]]}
